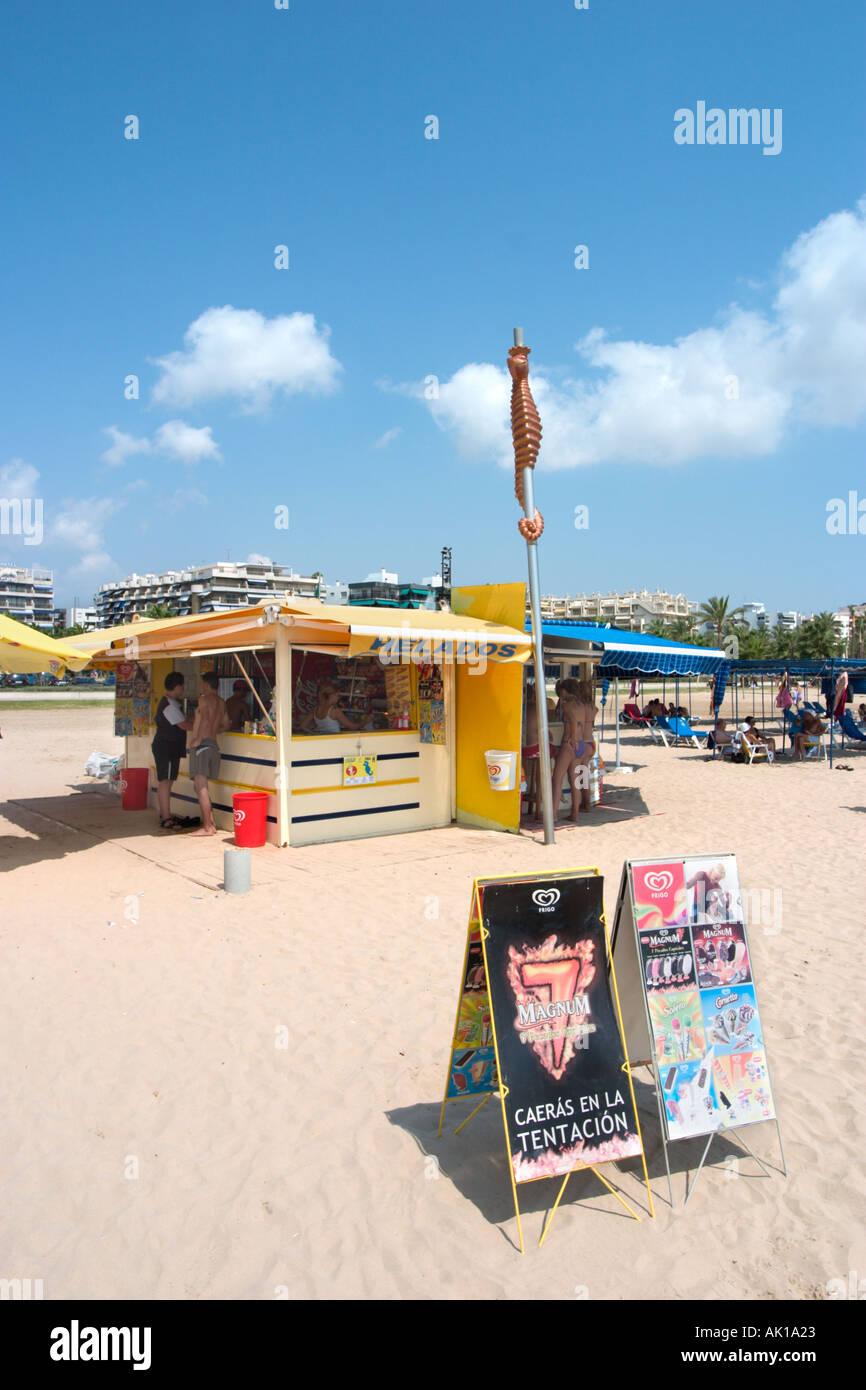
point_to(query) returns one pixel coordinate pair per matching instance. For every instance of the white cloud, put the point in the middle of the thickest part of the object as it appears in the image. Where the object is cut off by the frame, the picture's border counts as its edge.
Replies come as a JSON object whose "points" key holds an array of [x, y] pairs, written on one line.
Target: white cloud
{"points": [[239, 352], [185, 442], [255, 559], [18, 479], [122, 447], [80, 526], [735, 388], [184, 497], [387, 438]]}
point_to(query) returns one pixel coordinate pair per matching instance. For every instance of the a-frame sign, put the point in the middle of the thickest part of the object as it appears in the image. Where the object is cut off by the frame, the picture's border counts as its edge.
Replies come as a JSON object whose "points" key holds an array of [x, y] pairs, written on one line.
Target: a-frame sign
{"points": [[689, 1008], [538, 1025]]}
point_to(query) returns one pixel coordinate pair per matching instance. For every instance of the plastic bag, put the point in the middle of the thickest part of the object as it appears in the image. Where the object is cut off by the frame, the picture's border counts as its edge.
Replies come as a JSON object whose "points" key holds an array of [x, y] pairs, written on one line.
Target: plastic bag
{"points": [[101, 764]]}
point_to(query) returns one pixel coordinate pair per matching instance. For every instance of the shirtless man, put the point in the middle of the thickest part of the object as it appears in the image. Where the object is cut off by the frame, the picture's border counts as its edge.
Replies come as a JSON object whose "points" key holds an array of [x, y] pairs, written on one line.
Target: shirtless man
{"points": [[809, 735], [204, 754]]}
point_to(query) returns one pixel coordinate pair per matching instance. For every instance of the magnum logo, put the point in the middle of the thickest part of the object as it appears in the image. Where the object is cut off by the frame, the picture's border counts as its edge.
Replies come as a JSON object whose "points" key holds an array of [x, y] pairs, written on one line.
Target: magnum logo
{"points": [[549, 983]]}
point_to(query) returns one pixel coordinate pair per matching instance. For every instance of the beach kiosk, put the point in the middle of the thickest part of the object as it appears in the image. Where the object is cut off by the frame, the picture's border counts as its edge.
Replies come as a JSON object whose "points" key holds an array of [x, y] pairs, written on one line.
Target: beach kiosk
{"points": [[429, 695]]}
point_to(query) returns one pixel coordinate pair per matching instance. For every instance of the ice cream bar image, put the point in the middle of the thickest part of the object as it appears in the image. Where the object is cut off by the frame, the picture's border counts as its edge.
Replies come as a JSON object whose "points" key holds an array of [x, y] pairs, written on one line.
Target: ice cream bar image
{"points": [[670, 1079], [686, 966], [461, 1061], [678, 1038], [724, 1100], [705, 1071], [746, 1013]]}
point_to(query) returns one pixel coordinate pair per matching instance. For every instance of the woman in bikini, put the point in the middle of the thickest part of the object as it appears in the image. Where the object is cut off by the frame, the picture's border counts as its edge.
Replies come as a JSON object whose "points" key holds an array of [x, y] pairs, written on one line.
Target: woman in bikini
{"points": [[566, 756]]}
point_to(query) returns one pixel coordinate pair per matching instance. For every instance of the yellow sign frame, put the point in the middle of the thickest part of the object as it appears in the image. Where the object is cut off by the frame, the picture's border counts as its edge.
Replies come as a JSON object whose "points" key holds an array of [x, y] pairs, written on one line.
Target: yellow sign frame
{"points": [[476, 925]]}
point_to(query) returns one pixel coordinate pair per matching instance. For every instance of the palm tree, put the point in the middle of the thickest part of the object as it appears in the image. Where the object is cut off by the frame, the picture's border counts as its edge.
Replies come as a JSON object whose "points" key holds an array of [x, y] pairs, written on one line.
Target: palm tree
{"points": [[819, 637], [755, 645], [681, 630], [716, 614], [784, 642], [159, 610]]}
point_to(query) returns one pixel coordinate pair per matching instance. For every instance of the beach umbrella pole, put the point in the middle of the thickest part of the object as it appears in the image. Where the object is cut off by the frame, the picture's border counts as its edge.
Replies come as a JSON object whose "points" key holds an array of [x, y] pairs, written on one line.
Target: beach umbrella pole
{"points": [[526, 433]]}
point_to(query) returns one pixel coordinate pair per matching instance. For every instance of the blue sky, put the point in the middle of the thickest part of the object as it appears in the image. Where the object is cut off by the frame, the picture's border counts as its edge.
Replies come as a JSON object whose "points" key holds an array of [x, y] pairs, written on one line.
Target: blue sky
{"points": [[715, 408]]}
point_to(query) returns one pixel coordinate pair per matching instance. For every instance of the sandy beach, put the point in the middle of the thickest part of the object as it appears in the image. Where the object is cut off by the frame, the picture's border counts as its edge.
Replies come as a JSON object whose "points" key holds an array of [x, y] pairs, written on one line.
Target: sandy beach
{"points": [[161, 1142]]}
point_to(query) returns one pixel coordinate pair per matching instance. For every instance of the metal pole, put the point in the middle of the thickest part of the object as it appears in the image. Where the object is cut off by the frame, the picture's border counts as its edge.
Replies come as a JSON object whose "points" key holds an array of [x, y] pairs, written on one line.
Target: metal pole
{"points": [[544, 778], [538, 651], [616, 715]]}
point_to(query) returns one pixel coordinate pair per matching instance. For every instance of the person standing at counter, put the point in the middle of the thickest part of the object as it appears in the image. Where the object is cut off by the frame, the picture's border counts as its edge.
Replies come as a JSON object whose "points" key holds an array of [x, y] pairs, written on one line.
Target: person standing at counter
{"points": [[169, 746], [326, 717], [238, 705], [211, 719]]}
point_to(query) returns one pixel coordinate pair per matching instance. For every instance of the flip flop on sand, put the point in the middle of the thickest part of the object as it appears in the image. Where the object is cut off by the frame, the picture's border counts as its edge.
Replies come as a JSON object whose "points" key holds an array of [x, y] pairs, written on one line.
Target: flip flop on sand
{"points": [[171, 823]]}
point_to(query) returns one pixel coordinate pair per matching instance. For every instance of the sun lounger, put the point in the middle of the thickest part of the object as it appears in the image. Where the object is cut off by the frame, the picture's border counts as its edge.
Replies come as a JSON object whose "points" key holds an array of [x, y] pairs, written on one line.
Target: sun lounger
{"points": [[755, 751], [681, 728], [849, 728], [632, 715], [732, 749], [661, 731]]}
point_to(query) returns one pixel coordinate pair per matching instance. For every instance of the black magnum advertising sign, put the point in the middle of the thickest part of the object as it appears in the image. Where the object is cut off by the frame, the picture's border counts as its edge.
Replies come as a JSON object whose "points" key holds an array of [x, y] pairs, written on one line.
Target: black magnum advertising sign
{"points": [[568, 1103]]}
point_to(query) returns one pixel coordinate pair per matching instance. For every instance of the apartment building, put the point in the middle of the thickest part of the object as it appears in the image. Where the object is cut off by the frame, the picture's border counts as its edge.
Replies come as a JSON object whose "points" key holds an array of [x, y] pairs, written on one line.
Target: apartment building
{"points": [[384, 590], [28, 595], [633, 610], [201, 589]]}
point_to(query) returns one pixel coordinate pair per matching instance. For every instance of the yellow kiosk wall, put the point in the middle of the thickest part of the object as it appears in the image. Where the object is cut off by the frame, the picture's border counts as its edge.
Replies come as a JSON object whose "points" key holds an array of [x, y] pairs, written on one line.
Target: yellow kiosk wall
{"points": [[492, 700]]}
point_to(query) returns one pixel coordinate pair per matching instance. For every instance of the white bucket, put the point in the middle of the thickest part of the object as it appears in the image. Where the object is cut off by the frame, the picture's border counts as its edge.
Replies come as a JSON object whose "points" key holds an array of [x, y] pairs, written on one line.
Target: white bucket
{"points": [[501, 769]]}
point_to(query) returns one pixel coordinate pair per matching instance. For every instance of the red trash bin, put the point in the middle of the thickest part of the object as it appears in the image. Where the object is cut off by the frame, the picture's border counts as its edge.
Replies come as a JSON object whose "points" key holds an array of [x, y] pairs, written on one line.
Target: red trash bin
{"points": [[134, 786], [251, 819]]}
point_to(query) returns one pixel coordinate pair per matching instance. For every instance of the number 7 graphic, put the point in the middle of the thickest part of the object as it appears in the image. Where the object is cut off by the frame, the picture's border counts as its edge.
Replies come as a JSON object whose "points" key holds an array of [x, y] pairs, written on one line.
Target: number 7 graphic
{"points": [[561, 977]]}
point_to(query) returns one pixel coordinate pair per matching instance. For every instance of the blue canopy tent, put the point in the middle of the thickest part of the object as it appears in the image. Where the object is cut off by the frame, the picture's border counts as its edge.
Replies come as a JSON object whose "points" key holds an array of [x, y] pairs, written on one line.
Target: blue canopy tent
{"points": [[823, 669], [632, 655]]}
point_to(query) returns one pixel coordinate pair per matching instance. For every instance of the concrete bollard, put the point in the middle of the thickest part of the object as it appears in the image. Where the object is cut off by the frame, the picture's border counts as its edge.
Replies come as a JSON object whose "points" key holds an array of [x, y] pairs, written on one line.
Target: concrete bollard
{"points": [[236, 870]]}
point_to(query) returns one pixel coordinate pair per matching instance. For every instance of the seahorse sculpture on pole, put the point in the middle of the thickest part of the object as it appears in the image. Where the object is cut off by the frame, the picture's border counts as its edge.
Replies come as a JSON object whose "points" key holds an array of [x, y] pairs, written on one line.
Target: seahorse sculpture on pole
{"points": [[526, 434]]}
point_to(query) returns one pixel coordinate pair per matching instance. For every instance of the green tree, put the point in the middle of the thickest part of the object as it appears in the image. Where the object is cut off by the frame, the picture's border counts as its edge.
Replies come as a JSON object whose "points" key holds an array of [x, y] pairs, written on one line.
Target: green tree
{"points": [[754, 646], [716, 614], [681, 630], [160, 610], [819, 637]]}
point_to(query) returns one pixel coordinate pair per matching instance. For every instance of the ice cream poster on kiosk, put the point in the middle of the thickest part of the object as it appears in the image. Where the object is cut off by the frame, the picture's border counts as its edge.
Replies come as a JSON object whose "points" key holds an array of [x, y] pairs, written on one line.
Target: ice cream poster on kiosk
{"points": [[688, 994], [537, 954]]}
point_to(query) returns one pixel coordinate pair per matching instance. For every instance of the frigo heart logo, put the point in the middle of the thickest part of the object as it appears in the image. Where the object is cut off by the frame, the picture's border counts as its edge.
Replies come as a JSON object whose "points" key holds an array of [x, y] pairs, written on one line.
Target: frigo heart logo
{"points": [[659, 882], [494, 769], [545, 897], [240, 817]]}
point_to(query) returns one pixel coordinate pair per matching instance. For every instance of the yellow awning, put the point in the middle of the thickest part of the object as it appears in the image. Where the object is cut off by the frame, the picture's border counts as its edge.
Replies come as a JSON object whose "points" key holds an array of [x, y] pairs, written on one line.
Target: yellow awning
{"points": [[395, 634], [25, 652]]}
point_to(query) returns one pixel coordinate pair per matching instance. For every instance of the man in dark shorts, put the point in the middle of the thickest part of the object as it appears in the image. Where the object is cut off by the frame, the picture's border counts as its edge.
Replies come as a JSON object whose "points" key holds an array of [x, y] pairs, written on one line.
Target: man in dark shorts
{"points": [[210, 720], [169, 746]]}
